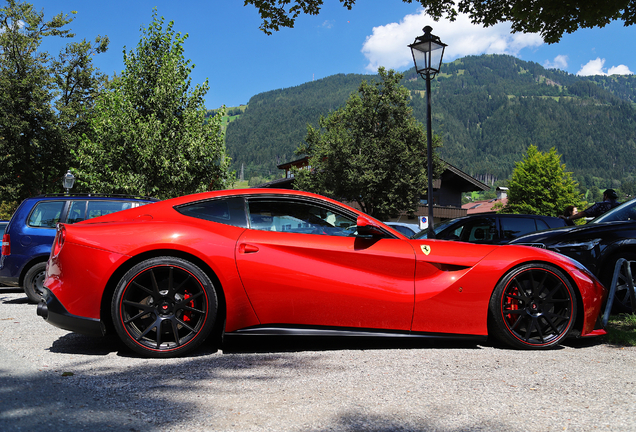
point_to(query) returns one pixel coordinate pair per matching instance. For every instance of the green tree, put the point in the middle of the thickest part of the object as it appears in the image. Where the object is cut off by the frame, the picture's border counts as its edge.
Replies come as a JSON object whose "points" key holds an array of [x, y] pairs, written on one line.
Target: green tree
{"points": [[42, 100], [548, 17], [540, 185], [149, 134], [78, 83], [372, 151]]}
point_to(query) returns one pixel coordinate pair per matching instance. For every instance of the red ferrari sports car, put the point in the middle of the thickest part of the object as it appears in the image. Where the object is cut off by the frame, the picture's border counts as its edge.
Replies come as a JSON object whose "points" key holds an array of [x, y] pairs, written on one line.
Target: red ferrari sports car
{"points": [[168, 275]]}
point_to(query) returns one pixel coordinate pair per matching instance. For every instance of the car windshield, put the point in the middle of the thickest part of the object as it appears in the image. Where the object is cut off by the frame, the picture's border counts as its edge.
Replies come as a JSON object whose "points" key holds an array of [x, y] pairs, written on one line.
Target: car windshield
{"points": [[624, 212]]}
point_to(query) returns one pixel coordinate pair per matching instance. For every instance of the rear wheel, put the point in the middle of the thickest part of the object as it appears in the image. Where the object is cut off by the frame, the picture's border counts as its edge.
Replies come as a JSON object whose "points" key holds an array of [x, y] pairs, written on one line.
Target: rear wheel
{"points": [[34, 282], [533, 306], [164, 307]]}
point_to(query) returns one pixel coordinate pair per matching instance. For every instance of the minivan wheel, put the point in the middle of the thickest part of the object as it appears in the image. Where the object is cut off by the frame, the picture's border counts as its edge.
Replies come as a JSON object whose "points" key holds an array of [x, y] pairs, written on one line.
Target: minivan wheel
{"points": [[34, 282]]}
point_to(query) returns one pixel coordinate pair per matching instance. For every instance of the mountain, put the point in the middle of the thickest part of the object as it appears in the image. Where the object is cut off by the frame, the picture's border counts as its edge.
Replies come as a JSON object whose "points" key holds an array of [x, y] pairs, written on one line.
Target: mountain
{"points": [[488, 109]]}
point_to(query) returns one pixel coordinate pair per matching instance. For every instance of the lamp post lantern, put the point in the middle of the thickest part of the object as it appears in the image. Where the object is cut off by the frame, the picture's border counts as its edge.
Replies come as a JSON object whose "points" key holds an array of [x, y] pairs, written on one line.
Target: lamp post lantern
{"points": [[428, 51], [68, 181]]}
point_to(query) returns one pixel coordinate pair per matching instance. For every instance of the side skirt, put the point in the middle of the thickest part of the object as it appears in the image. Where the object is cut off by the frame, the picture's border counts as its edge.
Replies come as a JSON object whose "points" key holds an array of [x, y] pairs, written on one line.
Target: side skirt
{"points": [[283, 330]]}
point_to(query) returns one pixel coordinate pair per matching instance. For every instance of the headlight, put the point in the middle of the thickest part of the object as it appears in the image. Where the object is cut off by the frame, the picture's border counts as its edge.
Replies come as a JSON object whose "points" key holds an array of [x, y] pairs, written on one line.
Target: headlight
{"points": [[576, 244]]}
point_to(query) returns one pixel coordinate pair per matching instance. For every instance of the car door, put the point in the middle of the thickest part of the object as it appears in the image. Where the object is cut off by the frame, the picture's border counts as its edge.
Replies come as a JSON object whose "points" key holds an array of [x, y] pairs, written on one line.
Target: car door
{"points": [[301, 265]]}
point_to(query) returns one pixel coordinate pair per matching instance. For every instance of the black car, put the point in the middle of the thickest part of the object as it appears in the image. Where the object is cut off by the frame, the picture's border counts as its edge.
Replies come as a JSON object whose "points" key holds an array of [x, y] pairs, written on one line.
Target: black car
{"points": [[492, 228], [597, 245]]}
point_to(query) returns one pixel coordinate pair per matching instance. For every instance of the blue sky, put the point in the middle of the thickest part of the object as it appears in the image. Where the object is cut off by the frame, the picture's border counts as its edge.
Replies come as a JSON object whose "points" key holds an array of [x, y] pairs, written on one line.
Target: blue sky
{"points": [[239, 60]]}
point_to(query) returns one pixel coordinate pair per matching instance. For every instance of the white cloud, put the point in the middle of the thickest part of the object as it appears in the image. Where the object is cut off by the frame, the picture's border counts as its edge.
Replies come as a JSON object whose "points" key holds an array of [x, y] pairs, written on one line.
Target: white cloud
{"points": [[387, 46], [595, 67], [328, 24], [619, 70], [560, 62]]}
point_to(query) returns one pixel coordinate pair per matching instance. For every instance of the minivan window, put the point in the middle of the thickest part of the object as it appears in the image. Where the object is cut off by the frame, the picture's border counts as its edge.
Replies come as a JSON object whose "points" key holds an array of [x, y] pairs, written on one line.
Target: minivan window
{"points": [[46, 214], [77, 212], [101, 208], [479, 231], [514, 227], [541, 225]]}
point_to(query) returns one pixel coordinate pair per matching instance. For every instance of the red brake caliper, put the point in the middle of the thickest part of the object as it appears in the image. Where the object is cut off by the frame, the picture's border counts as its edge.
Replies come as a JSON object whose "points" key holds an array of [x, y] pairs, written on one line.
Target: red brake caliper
{"points": [[512, 304], [187, 315]]}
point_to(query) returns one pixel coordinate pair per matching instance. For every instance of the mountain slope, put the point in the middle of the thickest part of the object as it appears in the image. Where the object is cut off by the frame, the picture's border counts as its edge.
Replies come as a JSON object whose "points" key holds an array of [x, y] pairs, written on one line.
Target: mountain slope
{"points": [[487, 109]]}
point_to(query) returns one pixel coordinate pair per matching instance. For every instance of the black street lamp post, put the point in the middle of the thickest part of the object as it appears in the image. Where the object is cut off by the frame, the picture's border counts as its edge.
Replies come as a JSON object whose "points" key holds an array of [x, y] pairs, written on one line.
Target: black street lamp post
{"points": [[428, 51]]}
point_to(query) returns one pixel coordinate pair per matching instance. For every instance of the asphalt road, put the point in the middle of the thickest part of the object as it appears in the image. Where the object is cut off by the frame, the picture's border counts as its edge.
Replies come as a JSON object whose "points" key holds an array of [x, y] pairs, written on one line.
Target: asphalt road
{"points": [[53, 380]]}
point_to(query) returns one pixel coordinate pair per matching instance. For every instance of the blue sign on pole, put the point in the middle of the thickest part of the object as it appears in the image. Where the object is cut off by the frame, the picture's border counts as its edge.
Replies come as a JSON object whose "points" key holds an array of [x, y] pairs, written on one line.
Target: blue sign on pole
{"points": [[423, 222]]}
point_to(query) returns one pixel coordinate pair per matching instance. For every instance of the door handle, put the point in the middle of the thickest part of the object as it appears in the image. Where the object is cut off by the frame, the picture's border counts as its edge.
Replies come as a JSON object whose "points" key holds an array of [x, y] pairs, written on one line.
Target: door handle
{"points": [[247, 248]]}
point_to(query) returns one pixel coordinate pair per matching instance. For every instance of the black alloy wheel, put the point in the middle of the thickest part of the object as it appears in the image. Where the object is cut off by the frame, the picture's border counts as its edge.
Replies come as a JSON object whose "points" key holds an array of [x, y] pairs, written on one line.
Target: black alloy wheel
{"points": [[533, 306], [164, 307]]}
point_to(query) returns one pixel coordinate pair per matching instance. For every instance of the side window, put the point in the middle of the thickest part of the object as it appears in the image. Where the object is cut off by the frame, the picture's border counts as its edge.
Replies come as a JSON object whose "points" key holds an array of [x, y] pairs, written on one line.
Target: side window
{"points": [[76, 212], [101, 208], [46, 214], [451, 233], [229, 211], [480, 231], [541, 225], [285, 215], [515, 227]]}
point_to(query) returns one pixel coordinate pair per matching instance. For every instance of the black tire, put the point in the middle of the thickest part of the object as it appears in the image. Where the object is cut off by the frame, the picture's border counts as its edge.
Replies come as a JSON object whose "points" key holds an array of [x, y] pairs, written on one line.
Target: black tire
{"points": [[533, 307], [34, 282], [622, 299], [164, 307]]}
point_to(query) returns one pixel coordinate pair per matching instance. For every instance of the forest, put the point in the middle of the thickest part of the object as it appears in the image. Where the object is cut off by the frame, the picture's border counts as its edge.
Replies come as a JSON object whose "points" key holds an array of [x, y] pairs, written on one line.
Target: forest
{"points": [[487, 109]]}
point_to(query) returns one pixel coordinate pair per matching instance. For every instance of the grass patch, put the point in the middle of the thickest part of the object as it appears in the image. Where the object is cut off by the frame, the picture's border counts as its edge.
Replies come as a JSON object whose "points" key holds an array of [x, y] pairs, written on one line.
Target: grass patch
{"points": [[621, 330], [240, 184]]}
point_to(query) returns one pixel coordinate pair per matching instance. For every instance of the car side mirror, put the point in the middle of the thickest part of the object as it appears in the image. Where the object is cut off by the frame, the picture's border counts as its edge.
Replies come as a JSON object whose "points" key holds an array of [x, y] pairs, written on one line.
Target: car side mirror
{"points": [[367, 228]]}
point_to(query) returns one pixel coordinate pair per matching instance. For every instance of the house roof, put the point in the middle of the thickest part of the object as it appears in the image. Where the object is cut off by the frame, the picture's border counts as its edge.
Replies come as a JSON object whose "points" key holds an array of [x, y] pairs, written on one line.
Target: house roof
{"points": [[485, 206], [296, 162], [470, 183]]}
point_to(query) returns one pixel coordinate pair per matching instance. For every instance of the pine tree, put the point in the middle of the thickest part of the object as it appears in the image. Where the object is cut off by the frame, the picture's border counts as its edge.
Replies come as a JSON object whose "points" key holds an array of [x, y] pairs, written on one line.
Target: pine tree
{"points": [[540, 185]]}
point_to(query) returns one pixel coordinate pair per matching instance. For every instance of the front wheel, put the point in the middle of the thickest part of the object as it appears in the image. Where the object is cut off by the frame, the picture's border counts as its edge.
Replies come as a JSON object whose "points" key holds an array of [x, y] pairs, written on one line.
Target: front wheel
{"points": [[34, 282], [533, 306], [164, 307]]}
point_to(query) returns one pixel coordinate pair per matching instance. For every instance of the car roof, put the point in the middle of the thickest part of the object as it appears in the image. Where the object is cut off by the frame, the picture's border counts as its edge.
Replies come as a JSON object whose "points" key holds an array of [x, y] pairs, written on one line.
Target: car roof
{"points": [[507, 215], [202, 196], [91, 196]]}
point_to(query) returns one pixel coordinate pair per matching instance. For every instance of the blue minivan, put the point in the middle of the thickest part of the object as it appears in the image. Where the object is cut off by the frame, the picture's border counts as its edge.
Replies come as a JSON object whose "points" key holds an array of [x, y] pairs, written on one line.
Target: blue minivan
{"points": [[27, 240]]}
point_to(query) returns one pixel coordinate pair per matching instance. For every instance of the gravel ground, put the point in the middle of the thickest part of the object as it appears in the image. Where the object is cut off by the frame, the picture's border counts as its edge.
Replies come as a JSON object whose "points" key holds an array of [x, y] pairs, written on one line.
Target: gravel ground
{"points": [[53, 380]]}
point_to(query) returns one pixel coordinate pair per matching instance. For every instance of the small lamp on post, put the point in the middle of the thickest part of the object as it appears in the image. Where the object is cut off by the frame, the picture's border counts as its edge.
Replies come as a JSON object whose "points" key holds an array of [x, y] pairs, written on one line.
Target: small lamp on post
{"points": [[428, 51], [68, 181]]}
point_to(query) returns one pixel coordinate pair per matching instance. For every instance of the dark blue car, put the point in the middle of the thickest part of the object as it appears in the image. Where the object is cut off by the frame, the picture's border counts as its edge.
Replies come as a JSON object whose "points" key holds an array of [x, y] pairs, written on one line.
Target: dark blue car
{"points": [[27, 240]]}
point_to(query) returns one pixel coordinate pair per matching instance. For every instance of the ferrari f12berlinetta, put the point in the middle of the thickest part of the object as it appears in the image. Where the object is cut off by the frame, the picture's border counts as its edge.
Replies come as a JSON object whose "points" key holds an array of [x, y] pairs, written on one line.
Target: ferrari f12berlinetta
{"points": [[168, 275]]}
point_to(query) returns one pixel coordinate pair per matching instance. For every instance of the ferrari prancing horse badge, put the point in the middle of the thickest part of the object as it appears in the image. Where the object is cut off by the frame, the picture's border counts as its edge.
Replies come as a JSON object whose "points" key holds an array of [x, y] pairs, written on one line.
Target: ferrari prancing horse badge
{"points": [[426, 249]]}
